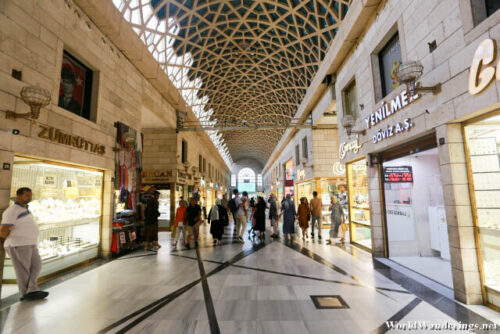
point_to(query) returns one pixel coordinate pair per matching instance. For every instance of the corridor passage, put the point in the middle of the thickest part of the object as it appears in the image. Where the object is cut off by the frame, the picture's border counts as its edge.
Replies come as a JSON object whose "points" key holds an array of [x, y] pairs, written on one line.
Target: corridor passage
{"points": [[251, 288]]}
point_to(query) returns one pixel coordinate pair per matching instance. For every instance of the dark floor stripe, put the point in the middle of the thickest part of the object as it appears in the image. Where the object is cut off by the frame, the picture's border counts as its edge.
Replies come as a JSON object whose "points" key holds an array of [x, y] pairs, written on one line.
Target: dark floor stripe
{"points": [[442, 303], [384, 328], [209, 303], [152, 308], [310, 254], [295, 275]]}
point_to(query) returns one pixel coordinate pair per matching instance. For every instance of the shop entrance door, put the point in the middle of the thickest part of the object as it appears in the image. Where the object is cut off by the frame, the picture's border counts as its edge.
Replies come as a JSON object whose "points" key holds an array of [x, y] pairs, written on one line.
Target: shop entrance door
{"points": [[417, 232]]}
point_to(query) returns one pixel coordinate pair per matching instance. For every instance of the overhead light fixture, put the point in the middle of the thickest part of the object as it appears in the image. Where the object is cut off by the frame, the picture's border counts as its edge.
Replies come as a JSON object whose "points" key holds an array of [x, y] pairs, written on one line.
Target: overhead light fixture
{"points": [[34, 96], [348, 123], [409, 72]]}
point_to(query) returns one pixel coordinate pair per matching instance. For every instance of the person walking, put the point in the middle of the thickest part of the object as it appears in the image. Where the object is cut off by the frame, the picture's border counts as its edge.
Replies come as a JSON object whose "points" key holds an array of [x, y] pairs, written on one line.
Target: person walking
{"points": [[273, 215], [192, 220], [20, 232], [316, 207], [241, 215], [337, 218], [289, 214], [179, 223], [203, 203], [224, 201], [218, 219], [151, 214], [304, 215], [260, 217]]}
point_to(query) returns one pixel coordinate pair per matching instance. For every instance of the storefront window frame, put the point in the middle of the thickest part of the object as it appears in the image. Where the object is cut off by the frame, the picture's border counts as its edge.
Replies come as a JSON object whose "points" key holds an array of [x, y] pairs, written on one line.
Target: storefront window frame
{"points": [[101, 221], [477, 237], [353, 242]]}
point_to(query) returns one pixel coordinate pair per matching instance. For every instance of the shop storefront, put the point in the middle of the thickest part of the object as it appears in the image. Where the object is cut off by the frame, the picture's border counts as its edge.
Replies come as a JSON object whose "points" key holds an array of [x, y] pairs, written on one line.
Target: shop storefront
{"points": [[67, 205], [326, 188], [415, 215], [358, 202], [289, 188], [482, 143]]}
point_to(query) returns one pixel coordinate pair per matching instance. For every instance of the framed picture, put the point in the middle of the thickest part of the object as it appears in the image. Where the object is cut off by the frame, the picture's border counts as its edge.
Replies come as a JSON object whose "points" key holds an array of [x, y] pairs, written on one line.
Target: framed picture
{"points": [[75, 86]]}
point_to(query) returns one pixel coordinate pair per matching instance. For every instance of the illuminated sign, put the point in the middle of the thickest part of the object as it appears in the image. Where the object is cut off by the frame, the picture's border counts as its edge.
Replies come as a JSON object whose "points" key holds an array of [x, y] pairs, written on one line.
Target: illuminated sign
{"points": [[481, 75], [398, 174], [353, 146]]}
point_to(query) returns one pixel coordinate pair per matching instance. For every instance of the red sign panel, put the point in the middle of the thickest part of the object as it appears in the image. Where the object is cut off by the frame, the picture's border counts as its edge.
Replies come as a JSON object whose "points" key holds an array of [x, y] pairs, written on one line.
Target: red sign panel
{"points": [[398, 174]]}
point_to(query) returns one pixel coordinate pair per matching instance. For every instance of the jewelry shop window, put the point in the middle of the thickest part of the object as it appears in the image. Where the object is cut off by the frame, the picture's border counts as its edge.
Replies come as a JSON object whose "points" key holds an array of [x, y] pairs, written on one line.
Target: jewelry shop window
{"points": [[359, 206], [67, 205], [483, 149]]}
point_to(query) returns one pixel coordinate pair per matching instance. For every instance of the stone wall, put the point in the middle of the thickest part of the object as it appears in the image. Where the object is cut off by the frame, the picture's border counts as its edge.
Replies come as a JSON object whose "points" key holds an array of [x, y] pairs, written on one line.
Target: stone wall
{"points": [[449, 24], [33, 35]]}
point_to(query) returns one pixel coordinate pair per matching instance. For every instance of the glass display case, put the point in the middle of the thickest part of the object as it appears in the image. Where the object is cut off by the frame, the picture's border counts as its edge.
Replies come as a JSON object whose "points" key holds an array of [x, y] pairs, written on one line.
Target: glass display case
{"points": [[483, 149], [179, 192], [164, 208], [67, 203], [305, 189], [333, 187], [210, 199], [359, 206]]}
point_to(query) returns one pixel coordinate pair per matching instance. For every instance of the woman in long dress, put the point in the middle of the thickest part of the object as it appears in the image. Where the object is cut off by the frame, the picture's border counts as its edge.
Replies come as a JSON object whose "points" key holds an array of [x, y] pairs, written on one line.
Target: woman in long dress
{"points": [[260, 217], [217, 218], [337, 217], [289, 214]]}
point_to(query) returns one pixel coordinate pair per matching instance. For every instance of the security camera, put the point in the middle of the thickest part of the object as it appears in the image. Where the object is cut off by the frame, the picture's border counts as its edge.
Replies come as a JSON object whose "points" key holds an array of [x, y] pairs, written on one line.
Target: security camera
{"points": [[15, 132]]}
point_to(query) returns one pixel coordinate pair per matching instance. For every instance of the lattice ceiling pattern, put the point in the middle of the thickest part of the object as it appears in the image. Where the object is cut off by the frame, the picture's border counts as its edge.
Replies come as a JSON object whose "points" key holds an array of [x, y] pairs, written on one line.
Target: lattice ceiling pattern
{"points": [[238, 59]]}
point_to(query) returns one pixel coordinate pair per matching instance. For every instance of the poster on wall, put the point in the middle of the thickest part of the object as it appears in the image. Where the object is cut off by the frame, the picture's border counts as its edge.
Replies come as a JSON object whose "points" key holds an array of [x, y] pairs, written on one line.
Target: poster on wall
{"points": [[400, 222], [398, 174], [75, 86]]}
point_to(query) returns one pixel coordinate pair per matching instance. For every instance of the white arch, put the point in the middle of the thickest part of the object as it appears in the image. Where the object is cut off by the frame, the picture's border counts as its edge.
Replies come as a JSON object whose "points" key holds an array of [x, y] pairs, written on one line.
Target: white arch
{"points": [[246, 174]]}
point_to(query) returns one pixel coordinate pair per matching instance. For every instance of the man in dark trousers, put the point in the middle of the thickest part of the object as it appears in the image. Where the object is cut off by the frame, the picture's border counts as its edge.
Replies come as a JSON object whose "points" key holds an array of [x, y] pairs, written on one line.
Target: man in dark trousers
{"points": [[151, 221], [20, 232], [192, 221]]}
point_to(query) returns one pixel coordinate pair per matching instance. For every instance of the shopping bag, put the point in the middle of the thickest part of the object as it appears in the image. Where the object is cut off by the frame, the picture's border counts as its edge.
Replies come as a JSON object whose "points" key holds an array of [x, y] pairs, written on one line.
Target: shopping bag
{"points": [[343, 230]]}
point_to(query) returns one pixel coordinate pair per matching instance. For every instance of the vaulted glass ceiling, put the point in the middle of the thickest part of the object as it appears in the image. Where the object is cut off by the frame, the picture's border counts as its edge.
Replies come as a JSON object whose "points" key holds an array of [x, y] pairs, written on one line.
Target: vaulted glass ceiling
{"points": [[238, 60]]}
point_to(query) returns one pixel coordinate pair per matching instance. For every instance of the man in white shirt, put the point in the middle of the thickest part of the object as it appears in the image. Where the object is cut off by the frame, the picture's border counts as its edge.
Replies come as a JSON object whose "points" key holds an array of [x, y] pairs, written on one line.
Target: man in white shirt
{"points": [[20, 232]]}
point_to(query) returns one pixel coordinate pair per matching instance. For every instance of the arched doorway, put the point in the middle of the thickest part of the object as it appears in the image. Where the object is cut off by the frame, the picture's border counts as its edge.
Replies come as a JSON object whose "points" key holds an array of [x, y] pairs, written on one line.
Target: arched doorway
{"points": [[246, 180]]}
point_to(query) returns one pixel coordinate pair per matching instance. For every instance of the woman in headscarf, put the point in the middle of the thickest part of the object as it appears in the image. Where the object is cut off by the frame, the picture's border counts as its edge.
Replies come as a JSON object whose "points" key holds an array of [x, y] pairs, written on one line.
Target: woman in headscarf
{"points": [[289, 214], [218, 219], [304, 214], [260, 217]]}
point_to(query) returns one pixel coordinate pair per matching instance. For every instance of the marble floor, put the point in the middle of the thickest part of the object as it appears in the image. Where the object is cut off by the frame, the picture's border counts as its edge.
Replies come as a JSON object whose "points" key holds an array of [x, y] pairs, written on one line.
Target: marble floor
{"points": [[434, 268], [255, 287]]}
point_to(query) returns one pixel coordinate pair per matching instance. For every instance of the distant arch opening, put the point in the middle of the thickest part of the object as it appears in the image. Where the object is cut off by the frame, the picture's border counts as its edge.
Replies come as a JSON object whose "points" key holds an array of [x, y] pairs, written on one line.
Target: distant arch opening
{"points": [[246, 180]]}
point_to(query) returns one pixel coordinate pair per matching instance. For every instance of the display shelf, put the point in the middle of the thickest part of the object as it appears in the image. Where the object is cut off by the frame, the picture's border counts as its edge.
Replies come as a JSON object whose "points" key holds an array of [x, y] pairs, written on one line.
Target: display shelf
{"points": [[365, 223], [68, 223], [490, 229], [359, 208]]}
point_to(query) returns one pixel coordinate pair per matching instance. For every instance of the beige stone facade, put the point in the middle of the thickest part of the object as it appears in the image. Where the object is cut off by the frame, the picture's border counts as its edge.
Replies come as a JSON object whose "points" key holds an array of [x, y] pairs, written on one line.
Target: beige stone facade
{"points": [[33, 36], [322, 151], [419, 24]]}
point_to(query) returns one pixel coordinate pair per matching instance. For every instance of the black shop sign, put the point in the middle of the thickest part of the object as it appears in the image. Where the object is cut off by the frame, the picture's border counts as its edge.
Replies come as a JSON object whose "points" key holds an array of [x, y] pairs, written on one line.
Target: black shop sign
{"points": [[398, 174]]}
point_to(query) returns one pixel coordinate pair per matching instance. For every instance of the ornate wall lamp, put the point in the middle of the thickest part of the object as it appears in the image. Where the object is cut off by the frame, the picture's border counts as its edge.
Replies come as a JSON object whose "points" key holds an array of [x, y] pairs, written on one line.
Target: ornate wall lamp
{"points": [[34, 96], [409, 72]]}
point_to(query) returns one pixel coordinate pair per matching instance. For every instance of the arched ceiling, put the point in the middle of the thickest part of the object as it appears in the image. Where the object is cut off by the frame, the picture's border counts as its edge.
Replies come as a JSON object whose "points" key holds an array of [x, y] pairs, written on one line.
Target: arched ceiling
{"points": [[239, 59]]}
